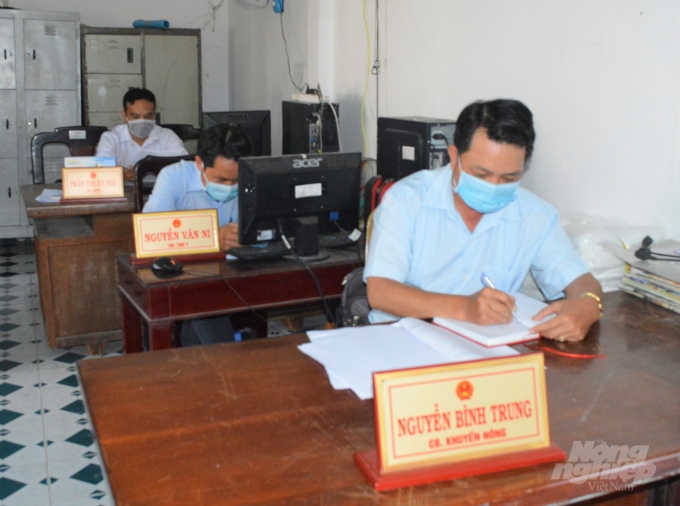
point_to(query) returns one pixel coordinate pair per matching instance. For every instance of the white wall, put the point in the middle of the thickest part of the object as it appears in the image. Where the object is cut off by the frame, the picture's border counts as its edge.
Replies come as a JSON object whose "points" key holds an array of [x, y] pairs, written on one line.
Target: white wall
{"points": [[180, 14], [257, 58], [602, 78]]}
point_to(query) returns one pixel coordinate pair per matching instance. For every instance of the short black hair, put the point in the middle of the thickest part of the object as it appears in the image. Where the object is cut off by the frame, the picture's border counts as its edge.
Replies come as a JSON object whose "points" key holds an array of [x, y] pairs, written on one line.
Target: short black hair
{"points": [[134, 94], [506, 121], [229, 141]]}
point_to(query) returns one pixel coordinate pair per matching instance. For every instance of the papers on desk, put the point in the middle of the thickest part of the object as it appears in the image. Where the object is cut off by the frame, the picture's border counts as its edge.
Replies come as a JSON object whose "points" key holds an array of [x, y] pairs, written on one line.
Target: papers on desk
{"points": [[652, 280], [50, 196], [351, 355], [510, 333]]}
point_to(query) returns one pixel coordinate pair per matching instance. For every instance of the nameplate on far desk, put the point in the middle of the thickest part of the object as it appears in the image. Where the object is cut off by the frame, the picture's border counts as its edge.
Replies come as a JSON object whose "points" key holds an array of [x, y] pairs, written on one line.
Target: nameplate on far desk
{"points": [[176, 233], [448, 421], [85, 183]]}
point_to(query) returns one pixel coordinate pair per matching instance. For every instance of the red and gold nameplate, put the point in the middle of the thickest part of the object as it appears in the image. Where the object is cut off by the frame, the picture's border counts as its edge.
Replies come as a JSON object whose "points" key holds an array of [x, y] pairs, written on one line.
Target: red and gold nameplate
{"points": [[92, 182], [451, 413], [176, 233]]}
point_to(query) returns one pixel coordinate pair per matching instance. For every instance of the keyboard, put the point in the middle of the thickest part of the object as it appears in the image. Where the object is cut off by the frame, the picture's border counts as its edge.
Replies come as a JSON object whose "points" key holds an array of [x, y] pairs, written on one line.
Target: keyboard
{"points": [[277, 249], [261, 251], [335, 241]]}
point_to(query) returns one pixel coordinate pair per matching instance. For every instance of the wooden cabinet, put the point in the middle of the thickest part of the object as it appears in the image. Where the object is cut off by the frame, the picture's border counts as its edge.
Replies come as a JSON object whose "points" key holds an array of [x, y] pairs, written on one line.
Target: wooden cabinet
{"points": [[76, 247]]}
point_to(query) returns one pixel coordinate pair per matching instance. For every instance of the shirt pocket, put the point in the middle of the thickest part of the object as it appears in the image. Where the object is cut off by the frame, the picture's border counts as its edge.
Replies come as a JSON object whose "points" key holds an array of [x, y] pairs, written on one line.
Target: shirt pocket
{"points": [[504, 280]]}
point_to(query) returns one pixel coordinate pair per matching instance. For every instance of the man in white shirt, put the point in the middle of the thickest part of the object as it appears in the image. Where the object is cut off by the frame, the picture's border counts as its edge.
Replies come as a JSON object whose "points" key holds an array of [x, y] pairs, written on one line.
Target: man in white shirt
{"points": [[139, 136]]}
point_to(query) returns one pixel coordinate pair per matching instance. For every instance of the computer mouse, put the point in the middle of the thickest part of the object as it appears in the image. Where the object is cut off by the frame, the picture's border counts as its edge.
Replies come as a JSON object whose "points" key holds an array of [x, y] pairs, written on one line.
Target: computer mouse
{"points": [[166, 267]]}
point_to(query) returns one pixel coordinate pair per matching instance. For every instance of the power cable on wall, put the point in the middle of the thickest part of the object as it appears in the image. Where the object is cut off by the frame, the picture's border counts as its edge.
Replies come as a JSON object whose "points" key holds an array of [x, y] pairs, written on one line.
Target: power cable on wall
{"points": [[285, 46]]}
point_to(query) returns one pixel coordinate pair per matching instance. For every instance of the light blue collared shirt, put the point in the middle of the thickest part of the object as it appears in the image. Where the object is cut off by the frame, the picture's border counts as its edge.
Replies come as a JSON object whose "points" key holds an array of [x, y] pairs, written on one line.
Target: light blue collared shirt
{"points": [[419, 239], [179, 188]]}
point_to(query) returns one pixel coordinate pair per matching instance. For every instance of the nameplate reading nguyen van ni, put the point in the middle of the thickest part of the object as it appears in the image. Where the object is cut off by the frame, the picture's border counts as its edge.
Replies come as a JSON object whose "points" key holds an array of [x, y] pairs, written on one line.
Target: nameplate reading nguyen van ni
{"points": [[451, 413], [92, 182], [176, 233]]}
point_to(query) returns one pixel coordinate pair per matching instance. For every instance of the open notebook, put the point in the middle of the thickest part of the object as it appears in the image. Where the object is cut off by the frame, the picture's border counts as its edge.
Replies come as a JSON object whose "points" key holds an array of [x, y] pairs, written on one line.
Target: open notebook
{"points": [[497, 335]]}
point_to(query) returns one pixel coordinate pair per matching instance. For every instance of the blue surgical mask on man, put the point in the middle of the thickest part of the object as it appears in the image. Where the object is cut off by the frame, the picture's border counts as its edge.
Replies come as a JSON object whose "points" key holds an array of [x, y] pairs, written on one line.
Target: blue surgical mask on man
{"points": [[482, 196], [220, 192]]}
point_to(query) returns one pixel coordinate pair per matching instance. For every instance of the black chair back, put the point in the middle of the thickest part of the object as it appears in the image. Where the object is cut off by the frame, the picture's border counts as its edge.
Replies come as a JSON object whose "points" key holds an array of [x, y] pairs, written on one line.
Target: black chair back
{"points": [[81, 141], [184, 132], [152, 165]]}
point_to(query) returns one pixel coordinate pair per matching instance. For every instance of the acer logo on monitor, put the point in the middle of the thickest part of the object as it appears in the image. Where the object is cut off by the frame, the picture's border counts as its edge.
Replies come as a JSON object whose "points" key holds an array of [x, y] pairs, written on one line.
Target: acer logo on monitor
{"points": [[306, 162]]}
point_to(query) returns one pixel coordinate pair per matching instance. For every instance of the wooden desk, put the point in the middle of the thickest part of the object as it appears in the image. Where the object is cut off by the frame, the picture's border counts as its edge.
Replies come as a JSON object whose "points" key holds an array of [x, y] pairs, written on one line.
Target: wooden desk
{"points": [[219, 287], [76, 246], [258, 423]]}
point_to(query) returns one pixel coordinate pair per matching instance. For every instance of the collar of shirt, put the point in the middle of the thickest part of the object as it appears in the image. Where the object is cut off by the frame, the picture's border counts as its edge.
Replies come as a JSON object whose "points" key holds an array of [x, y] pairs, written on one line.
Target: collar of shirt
{"points": [[194, 184], [154, 136], [440, 196]]}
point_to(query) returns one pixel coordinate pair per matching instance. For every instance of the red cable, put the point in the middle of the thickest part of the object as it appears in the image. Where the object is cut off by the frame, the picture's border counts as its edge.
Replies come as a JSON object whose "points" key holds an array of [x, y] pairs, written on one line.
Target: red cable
{"points": [[571, 355]]}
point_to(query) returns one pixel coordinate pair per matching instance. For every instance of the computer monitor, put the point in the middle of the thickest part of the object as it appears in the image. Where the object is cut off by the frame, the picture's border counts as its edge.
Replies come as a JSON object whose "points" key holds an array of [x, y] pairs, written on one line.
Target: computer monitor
{"points": [[257, 125], [306, 195]]}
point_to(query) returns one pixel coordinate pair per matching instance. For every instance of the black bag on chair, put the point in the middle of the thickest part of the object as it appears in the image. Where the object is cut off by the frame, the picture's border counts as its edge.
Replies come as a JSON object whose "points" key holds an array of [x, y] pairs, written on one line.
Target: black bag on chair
{"points": [[354, 306]]}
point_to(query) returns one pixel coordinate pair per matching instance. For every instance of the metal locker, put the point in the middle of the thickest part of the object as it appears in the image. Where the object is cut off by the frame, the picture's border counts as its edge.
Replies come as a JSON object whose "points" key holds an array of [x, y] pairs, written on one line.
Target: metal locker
{"points": [[49, 109], [9, 192], [112, 54], [171, 62], [50, 55], [8, 124], [106, 91], [7, 58]]}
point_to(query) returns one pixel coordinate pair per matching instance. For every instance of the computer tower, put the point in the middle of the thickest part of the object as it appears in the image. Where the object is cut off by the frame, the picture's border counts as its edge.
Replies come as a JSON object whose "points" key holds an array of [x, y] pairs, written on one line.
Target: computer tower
{"points": [[407, 145], [301, 128]]}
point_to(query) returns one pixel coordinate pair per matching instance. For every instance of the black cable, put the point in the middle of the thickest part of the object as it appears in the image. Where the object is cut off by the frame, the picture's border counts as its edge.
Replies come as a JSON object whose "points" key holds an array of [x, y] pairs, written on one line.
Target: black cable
{"points": [[348, 237], [285, 46], [245, 303], [204, 273], [665, 259], [329, 315]]}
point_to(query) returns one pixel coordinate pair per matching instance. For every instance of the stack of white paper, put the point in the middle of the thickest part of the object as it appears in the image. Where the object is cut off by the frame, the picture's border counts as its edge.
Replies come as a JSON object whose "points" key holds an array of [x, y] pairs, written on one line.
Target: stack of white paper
{"points": [[657, 281], [352, 355], [50, 196]]}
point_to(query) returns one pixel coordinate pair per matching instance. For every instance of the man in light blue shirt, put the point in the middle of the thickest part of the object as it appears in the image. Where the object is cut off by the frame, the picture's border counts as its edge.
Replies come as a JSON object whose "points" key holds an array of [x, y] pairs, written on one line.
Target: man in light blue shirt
{"points": [[435, 232], [209, 182]]}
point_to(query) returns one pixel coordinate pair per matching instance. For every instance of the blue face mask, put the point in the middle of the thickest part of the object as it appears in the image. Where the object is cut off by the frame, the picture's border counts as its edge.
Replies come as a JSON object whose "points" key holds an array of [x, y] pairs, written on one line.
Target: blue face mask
{"points": [[220, 192], [482, 196]]}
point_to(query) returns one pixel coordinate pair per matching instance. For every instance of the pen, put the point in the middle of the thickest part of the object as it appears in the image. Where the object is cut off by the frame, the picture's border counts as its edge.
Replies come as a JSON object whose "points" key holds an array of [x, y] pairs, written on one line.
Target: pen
{"points": [[487, 282]]}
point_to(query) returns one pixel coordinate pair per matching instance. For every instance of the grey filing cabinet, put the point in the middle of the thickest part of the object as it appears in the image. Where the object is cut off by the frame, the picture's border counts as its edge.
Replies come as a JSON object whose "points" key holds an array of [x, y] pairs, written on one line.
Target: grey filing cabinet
{"points": [[39, 91], [167, 62]]}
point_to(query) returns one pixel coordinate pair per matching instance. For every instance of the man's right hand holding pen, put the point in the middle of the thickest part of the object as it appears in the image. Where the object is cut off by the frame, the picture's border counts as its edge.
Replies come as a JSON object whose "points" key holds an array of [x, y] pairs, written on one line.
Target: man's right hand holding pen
{"points": [[490, 306]]}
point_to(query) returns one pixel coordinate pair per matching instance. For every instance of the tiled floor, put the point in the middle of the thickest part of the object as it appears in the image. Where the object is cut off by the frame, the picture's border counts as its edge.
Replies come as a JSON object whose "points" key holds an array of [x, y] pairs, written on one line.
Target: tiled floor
{"points": [[47, 451], [48, 455]]}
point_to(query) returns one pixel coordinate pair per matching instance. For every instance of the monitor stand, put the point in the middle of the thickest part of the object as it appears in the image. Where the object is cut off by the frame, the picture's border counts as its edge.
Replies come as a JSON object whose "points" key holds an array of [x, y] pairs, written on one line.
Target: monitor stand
{"points": [[307, 239]]}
